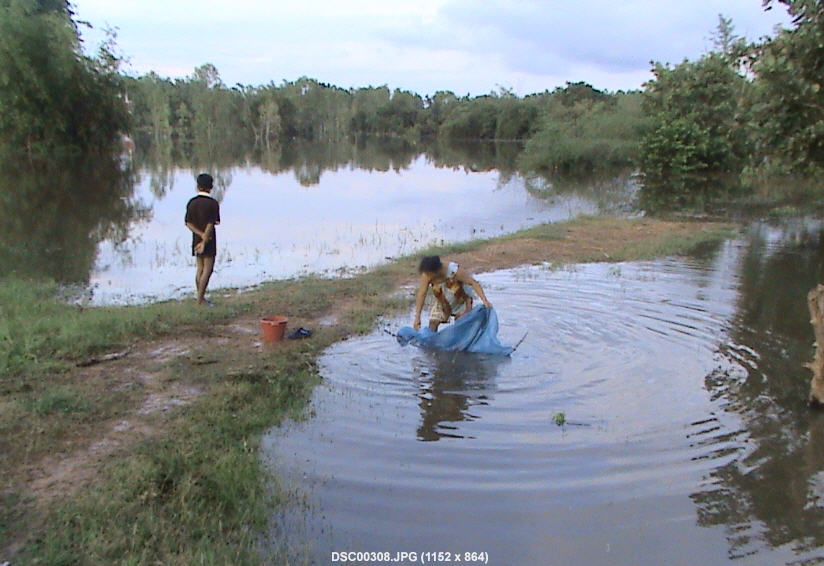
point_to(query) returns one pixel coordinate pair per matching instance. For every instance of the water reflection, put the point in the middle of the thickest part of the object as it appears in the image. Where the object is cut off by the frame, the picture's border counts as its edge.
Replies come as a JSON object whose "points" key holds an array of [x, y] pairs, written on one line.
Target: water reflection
{"points": [[55, 217], [309, 160], [688, 372], [612, 191], [293, 209], [320, 208], [772, 492], [450, 384], [160, 161]]}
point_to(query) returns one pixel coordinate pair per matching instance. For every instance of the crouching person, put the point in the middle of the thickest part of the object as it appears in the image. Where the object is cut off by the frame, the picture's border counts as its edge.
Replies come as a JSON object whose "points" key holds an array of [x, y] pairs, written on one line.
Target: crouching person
{"points": [[453, 289]]}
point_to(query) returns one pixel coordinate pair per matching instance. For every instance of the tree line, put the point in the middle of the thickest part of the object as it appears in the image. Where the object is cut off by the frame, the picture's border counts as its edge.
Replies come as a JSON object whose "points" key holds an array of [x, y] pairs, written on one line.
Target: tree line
{"points": [[201, 106]]}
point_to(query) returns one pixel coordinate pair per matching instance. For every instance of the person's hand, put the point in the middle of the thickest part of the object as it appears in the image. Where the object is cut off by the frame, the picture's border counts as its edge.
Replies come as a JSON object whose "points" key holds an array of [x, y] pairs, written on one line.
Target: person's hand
{"points": [[200, 246], [487, 304], [417, 324]]}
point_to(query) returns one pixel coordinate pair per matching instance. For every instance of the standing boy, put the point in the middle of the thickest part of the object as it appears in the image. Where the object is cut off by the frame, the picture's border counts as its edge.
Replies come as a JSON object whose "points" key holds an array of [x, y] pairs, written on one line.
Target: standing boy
{"points": [[202, 215]]}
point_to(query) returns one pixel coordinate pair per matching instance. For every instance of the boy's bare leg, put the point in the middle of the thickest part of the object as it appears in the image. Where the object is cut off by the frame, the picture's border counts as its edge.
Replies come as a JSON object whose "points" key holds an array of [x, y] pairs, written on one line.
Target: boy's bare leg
{"points": [[208, 265], [198, 274], [434, 324]]}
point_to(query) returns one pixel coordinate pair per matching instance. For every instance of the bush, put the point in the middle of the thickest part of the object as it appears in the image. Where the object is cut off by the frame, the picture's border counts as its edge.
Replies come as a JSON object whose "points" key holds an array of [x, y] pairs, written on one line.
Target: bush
{"points": [[697, 144], [586, 136]]}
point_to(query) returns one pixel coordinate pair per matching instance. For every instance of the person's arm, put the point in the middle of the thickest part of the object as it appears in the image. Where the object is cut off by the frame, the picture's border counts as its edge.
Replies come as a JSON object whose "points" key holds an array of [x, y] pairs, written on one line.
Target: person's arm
{"points": [[195, 230], [207, 233], [420, 296], [467, 278], [468, 304]]}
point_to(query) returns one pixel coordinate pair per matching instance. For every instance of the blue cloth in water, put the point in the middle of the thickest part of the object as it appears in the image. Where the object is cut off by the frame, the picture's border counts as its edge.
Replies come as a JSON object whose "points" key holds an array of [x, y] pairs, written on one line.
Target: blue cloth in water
{"points": [[476, 331]]}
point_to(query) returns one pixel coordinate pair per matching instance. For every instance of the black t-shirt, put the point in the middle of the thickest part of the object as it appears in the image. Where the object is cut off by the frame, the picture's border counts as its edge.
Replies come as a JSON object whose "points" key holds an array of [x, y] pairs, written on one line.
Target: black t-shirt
{"points": [[202, 211]]}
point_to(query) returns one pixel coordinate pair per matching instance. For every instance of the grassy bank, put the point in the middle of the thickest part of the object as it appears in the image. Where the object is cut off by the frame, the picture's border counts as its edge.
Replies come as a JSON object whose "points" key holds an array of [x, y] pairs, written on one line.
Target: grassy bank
{"points": [[186, 486]]}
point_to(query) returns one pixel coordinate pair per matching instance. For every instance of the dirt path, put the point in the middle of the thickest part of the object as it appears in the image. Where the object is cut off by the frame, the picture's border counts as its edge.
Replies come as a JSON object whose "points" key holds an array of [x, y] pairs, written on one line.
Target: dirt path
{"points": [[147, 368]]}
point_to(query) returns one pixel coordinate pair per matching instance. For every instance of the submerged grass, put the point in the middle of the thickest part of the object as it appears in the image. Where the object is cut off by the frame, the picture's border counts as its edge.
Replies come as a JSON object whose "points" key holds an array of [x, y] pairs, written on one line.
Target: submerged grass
{"points": [[196, 493]]}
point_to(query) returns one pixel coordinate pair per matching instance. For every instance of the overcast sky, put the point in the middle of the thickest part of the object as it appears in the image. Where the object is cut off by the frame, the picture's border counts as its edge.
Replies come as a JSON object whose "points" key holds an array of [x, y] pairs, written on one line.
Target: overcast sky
{"points": [[467, 46]]}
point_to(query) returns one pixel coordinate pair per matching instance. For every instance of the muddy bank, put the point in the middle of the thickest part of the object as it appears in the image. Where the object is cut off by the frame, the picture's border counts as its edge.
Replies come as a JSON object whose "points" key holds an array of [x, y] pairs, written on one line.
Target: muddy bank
{"points": [[592, 239]]}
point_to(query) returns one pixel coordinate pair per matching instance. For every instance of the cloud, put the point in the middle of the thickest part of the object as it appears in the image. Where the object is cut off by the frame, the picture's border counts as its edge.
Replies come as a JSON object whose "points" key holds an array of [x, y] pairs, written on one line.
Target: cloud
{"points": [[426, 45], [621, 37]]}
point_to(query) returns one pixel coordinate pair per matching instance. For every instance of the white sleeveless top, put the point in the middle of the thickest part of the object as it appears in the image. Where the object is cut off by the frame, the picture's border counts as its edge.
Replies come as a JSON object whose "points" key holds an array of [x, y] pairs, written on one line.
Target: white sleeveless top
{"points": [[448, 294]]}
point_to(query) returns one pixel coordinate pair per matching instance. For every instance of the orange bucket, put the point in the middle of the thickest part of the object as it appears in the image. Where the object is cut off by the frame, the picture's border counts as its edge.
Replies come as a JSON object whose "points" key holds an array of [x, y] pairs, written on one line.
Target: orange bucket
{"points": [[273, 328]]}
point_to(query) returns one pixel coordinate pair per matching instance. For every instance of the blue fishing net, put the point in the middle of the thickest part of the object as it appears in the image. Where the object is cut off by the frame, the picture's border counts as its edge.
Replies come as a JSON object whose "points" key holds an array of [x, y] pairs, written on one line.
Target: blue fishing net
{"points": [[475, 332]]}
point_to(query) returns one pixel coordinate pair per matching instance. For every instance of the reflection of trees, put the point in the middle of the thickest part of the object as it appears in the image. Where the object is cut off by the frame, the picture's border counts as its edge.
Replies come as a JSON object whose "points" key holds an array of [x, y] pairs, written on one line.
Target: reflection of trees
{"points": [[611, 190], [766, 495], [309, 160], [450, 384], [218, 157], [476, 156], [159, 164], [57, 214]]}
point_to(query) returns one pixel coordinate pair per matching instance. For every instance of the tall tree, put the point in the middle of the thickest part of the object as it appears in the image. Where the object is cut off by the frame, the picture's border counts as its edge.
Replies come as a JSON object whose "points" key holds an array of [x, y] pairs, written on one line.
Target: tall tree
{"points": [[789, 72], [55, 100], [64, 187], [697, 145]]}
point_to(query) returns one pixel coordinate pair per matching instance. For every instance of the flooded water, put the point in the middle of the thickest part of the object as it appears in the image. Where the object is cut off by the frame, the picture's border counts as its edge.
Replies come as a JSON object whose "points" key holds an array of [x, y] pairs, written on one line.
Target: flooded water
{"points": [[308, 208], [686, 438], [352, 218]]}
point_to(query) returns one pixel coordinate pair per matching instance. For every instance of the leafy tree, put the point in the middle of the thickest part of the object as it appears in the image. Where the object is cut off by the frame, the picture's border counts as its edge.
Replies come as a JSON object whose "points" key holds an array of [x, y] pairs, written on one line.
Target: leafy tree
{"points": [[269, 122], [62, 117], [472, 118], [576, 92], [55, 100], [697, 144], [726, 41], [152, 107], [517, 118], [789, 71], [593, 134], [436, 109]]}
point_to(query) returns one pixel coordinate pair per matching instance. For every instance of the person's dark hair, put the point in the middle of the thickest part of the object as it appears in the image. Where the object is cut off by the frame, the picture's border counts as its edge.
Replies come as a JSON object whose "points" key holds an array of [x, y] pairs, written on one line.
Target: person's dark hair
{"points": [[205, 181], [430, 264]]}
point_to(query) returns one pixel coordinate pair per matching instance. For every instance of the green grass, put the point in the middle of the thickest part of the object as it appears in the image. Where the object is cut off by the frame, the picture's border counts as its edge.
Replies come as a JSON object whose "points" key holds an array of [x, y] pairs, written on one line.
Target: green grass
{"points": [[586, 136], [785, 211], [196, 495], [60, 401], [544, 231], [38, 331]]}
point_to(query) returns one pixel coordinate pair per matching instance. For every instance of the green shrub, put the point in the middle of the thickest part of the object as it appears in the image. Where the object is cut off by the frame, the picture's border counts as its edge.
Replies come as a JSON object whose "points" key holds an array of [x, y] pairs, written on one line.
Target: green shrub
{"points": [[586, 136]]}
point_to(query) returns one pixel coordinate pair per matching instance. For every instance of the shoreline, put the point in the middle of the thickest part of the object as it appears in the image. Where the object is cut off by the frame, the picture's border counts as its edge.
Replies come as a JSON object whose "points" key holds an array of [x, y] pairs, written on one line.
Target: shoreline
{"points": [[155, 454]]}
